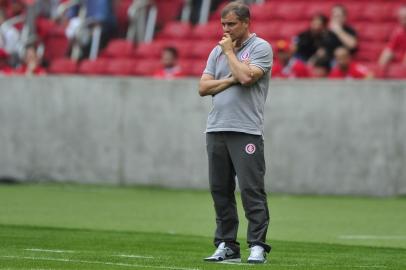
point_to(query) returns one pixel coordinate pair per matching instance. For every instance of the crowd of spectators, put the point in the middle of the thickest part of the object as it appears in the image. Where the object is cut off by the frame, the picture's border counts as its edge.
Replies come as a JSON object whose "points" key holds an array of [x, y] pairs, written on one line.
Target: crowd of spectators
{"points": [[326, 49]]}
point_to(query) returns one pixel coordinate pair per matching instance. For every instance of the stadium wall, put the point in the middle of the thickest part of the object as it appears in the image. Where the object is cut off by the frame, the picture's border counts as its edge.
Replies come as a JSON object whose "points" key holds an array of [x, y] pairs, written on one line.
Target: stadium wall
{"points": [[322, 137]]}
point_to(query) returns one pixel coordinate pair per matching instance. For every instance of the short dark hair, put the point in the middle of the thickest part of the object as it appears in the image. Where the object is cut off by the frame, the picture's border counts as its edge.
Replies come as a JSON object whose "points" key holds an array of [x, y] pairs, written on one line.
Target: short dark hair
{"points": [[323, 18], [171, 50], [238, 8]]}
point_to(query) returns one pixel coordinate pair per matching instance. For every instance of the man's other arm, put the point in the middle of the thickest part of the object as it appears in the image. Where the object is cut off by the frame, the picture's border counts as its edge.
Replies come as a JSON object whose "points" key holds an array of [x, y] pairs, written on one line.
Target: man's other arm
{"points": [[209, 86]]}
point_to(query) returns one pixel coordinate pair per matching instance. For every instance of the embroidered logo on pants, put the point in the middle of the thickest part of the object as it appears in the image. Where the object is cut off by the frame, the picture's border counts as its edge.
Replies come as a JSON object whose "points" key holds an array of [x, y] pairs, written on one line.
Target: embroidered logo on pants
{"points": [[250, 148]]}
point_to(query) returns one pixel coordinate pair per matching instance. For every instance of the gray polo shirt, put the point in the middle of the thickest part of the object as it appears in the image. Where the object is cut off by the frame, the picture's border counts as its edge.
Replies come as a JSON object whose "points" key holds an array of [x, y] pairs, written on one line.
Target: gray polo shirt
{"points": [[240, 108]]}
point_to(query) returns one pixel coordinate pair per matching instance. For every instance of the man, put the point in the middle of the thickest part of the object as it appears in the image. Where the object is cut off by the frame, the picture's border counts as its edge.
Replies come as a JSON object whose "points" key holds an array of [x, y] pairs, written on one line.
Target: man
{"points": [[286, 66], [237, 76], [317, 41], [344, 34], [396, 47], [170, 68], [9, 37], [345, 68], [32, 63]]}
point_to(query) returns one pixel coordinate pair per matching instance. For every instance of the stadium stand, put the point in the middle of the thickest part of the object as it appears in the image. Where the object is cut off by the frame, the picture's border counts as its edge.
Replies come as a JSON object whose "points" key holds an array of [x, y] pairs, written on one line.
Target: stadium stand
{"points": [[273, 20]]}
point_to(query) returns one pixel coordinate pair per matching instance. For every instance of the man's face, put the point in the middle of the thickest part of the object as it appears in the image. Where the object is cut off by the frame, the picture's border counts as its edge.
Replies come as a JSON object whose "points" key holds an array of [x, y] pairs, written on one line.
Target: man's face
{"points": [[233, 26], [342, 57], [338, 15], [316, 25], [283, 56], [168, 60], [31, 56]]}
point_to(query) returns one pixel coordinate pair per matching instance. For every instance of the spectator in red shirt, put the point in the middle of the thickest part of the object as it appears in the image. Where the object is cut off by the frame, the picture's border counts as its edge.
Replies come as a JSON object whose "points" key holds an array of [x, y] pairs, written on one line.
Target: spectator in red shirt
{"points": [[396, 47], [345, 68], [32, 63], [5, 68], [286, 66], [170, 68]]}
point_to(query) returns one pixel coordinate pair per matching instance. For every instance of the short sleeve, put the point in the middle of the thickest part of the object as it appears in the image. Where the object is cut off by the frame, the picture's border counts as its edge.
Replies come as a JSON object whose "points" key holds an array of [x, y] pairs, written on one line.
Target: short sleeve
{"points": [[211, 63], [262, 56]]}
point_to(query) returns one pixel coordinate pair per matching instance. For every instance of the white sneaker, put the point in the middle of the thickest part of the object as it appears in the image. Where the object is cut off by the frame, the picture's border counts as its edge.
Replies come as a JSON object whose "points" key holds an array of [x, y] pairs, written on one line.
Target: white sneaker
{"points": [[257, 255], [224, 253]]}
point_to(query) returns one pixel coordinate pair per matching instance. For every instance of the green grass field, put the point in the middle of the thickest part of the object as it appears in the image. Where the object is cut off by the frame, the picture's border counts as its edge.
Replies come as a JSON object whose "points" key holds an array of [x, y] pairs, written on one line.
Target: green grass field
{"points": [[46, 227]]}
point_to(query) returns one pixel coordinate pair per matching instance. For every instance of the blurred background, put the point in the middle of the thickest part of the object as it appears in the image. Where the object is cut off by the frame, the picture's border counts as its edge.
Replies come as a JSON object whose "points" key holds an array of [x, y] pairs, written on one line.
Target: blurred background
{"points": [[104, 91]]}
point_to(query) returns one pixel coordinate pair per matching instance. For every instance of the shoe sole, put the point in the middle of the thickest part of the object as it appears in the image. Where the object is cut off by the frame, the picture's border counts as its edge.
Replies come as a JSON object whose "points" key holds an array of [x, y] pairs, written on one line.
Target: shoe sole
{"points": [[256, 262], [236, 260]]}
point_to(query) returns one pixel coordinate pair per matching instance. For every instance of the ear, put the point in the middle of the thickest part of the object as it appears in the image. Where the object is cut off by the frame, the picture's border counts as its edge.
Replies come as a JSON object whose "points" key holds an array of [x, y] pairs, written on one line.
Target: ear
{"points": [[246, 22]]}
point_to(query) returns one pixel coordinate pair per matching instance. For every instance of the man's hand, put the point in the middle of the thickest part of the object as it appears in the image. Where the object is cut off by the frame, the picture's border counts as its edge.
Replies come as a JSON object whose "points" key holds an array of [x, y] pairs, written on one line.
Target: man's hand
{"points": [[336, 27], [227, 44]]}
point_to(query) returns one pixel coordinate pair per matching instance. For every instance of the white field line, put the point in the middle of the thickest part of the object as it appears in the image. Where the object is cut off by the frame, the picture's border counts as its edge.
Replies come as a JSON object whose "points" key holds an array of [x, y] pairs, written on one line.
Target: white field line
{"points": [[372, 237], [73, 251], [133, 256], [335, 266], [26, 268], [312, 265], [98, 262], [236, 263], [49, 250]]}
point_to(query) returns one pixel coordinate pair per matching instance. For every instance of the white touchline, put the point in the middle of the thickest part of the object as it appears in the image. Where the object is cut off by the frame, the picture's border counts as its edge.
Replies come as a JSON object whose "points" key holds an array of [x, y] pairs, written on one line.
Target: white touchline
{"points": [[49, 250], [236, 263], [98, 262], [133, 256], [372, 237], [73, 251]]}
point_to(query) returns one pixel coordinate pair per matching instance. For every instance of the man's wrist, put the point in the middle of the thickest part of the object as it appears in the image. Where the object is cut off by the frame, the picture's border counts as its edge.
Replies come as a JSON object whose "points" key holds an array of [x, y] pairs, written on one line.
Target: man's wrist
{"points": [[228, 52]]}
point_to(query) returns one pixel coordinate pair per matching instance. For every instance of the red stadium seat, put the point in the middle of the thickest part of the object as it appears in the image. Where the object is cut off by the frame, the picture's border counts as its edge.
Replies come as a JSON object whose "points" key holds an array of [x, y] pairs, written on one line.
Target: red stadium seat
{"points": [[378, 32], [176, 30], [268, 31], [377, 12], [168, 10], [120, 66], [63, 66], [211, 30], [290, 30], [146, 67], [201, 50], [184, 47], [118, 48], [354, 10], [397, 71], [93, 67], [149, 50], [369, 51], [56, 43], [121, 12], [314, 8], [289, 11], [262, 12], [193, 68]]}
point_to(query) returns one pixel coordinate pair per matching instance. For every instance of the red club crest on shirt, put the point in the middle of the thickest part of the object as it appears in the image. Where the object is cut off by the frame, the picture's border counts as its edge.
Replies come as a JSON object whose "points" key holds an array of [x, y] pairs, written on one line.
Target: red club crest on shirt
{"points": [[250, 148], [245, 55]]}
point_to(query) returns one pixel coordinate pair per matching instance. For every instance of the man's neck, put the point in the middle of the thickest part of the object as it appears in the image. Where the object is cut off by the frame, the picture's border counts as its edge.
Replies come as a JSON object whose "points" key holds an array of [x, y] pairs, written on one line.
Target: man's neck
{"points": [[242, 40]]}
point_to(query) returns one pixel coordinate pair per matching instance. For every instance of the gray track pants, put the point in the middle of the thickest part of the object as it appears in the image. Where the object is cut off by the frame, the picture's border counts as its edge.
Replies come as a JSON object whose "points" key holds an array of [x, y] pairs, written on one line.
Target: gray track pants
{"points": [[241, 154]]}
